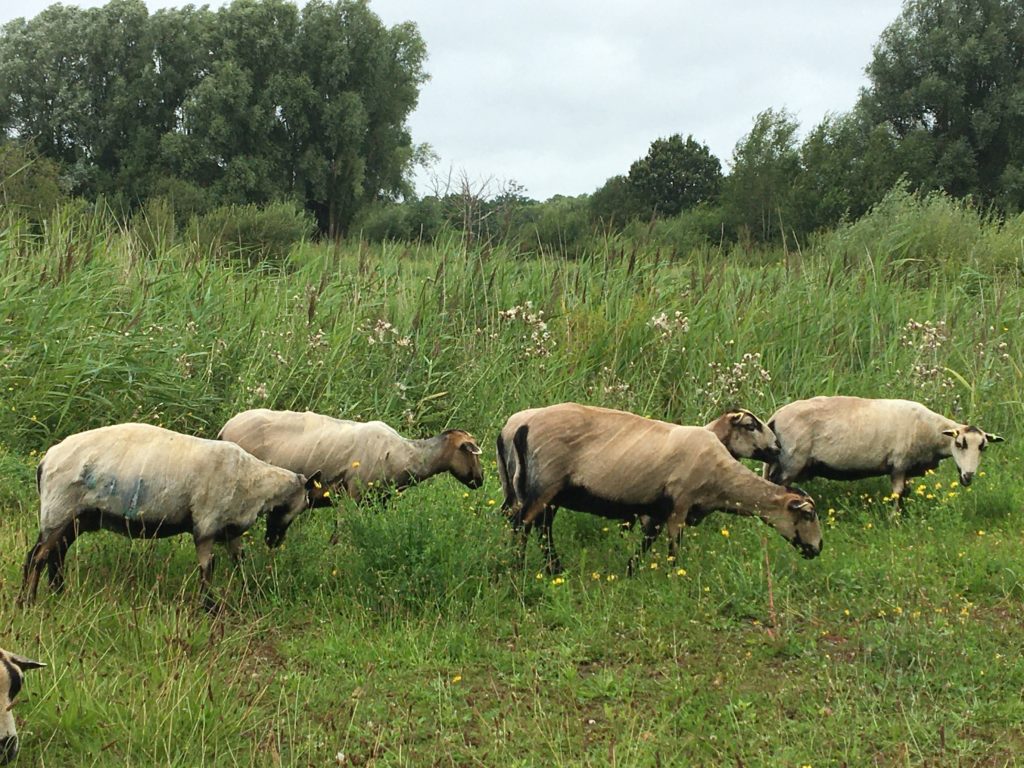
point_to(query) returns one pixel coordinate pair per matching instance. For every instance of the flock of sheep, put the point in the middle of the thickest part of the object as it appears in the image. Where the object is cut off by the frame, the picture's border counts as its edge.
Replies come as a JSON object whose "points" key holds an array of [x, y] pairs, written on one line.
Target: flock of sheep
{"points": [[145, 481]]}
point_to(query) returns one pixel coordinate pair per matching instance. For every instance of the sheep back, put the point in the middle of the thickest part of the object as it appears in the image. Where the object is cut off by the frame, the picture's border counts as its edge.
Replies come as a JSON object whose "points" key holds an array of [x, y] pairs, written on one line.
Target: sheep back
{"points": [[141, 472]]}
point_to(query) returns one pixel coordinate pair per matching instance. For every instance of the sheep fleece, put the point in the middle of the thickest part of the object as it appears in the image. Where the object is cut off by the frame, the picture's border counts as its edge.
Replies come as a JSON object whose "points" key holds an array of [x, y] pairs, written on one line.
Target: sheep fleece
{"points": [[138, 471]]}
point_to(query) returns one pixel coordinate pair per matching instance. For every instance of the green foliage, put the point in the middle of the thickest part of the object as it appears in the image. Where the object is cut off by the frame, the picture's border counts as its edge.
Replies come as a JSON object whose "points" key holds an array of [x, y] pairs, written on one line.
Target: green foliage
{"points": [[765, 166], [253, 102], [946, 78], [415, 640], [676, 175], [616, 202], [253, 233], [29, 184]]}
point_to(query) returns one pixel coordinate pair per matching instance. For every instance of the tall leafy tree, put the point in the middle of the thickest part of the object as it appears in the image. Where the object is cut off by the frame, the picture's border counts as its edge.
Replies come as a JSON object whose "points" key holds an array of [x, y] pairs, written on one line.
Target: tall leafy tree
{"points": [[765, 166], [947, 78], [676, 174]]}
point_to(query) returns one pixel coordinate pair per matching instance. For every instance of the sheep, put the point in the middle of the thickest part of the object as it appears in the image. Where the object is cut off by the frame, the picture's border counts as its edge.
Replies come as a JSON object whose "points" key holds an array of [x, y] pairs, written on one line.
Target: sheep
{"points": [[144, 481], [355, 457], [622, 466], [745, 435], [12, 669], [849, 438]]}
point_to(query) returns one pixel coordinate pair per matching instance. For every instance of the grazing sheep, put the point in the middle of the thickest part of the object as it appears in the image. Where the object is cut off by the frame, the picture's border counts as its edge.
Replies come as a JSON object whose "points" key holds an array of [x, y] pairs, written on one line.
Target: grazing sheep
{"points": [[147, 482], [353, 456], [745, 435], [848, 438], [622, 466], [12, 668]]}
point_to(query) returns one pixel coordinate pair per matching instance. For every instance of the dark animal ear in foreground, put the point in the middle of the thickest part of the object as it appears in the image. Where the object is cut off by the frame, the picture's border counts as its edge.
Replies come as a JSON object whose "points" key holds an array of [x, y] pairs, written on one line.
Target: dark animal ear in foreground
{"points": [[735, 416], [993, 438], [22, 663], [951, 433], [472, 448], [801, 505], [313, 481]]}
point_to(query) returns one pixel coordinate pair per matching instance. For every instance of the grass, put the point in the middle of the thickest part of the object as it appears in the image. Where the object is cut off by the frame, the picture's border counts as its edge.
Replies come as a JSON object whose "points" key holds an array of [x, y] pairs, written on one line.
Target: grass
{"points": [[414, 640]]}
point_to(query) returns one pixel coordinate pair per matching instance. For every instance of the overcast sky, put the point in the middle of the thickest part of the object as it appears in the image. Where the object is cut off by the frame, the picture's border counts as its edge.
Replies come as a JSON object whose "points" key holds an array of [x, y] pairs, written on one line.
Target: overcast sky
{"points": [[559, 95]]}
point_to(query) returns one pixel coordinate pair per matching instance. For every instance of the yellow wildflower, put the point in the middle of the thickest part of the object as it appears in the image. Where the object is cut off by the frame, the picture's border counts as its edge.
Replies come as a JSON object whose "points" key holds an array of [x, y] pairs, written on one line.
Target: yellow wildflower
{"points": [[490, 502], [654, 566], [355, 465], [681, 572], [558, 580], [725, 532], [595, 576], [457, 679]]}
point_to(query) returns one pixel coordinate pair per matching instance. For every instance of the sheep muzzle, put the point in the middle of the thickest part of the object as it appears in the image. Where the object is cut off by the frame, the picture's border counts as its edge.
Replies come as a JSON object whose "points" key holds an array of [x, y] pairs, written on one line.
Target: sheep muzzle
{"points": [[8, 749]]}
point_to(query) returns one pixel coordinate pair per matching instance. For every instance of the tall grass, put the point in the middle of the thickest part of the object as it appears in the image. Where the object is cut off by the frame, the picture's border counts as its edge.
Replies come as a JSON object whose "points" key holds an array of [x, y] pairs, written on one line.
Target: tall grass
{"points": [[415, 640]]}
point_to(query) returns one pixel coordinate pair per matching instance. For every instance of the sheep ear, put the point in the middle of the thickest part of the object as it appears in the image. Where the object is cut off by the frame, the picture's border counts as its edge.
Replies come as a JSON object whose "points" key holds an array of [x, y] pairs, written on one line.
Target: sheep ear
{"points": [[23, 663], [313, 481], [472, 448], [952, 433], [993, 438], [801, 505], [735, 416]]}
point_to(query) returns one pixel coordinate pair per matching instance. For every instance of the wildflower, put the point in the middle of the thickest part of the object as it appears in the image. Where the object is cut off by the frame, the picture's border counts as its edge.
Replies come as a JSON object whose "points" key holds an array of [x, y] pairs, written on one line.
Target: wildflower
{"points": [[490, 502], [981, 533], [846, 611], [334, 572], [725, 532], [355, 465], [681, 572], [981, 474], [457, 678], [465, 495], [611, 577], [921, 490], [671, 559], [539, 576], [654, 566], [930, 496], [595, 576], [605, 529], [869, 525], [558, 580]]}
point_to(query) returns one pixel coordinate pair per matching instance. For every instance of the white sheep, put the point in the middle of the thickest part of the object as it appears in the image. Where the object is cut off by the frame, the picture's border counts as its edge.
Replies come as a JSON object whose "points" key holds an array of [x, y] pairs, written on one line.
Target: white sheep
{"points": [[353, 456], [622, 466], [12, 668], [147, 482], [848, 438]]}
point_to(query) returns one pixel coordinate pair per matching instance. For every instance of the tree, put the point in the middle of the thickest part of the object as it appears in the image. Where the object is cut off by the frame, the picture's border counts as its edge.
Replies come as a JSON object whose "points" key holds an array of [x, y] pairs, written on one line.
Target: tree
{"points": [[765, 165], [675, 175], [947, 78], [616, 202], [255, 102]]}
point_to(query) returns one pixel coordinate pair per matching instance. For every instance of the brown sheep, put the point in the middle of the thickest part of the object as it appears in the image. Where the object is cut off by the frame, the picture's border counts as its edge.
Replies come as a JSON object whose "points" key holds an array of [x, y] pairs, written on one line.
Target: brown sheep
{"points": [[622, 466]]}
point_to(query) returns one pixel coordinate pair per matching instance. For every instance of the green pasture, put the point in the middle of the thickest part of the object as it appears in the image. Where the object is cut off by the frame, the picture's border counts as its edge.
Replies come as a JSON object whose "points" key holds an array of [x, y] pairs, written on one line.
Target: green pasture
{"points": [[416, 640]]}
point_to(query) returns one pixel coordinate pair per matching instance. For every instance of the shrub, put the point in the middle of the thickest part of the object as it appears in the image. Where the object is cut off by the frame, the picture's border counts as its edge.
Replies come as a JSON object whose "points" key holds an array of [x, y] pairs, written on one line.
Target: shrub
{"points": [[253, 233]]}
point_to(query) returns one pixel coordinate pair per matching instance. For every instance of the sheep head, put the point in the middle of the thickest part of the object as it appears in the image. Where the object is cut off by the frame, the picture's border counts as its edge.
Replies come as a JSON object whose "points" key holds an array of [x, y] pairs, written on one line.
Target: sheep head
{"points": [[12, 668], [968, 444], [314, 493], [797, 522], [464, 458], [745, 435]]}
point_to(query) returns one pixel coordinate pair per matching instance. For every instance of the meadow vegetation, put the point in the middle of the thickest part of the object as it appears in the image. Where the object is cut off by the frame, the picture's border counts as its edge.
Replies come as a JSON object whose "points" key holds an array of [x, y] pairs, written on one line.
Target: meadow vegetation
{"points": [[416, 639]]}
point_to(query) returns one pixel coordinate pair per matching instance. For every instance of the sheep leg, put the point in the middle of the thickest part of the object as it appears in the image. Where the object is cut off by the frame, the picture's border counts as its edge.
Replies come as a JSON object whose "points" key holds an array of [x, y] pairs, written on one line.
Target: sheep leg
{"points": [[235, 551], [651, 530], [547, 541], [38, 557], [204, 554], [899, 490], [55, 562], [30, 573]]}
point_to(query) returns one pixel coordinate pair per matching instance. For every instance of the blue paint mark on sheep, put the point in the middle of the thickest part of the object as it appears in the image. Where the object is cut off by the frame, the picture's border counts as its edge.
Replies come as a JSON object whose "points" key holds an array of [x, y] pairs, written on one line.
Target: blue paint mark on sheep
{"points": [[133, 510]]}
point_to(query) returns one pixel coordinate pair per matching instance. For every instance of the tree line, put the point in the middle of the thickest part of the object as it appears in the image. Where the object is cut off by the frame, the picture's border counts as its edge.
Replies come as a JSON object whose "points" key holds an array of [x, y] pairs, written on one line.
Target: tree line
{"points": [[261, 101], [254, 102]]}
